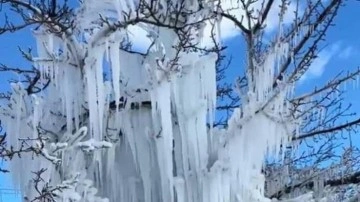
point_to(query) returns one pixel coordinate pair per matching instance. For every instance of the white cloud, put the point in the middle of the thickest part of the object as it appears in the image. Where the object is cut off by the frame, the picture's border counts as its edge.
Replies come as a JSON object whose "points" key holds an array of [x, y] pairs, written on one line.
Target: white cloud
{"points": [[272, 21], [138, 37], [227, 28], [347, 52], [317, 68]]}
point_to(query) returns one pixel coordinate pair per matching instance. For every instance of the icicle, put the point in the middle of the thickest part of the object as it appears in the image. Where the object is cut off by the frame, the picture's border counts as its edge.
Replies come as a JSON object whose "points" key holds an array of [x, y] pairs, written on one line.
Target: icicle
{"points": [[180, 189], [115, 70], [69, 89], [92, 97], [96, 94], [164, 144], [100, 94]]}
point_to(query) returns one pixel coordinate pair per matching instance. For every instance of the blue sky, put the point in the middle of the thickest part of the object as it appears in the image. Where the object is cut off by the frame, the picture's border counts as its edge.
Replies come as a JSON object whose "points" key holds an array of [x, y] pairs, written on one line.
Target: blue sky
{"points": [[341, 53]]}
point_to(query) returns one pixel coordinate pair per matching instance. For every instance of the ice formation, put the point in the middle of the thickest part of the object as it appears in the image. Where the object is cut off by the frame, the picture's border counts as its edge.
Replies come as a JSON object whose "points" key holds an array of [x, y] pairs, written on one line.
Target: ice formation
{"points": [[142, 135]]}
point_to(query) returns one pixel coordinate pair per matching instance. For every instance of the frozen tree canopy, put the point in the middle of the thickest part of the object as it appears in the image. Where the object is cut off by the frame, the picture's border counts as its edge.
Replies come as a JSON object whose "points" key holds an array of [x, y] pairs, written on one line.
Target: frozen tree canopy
{"points": [[159, 151], [114, 124]]}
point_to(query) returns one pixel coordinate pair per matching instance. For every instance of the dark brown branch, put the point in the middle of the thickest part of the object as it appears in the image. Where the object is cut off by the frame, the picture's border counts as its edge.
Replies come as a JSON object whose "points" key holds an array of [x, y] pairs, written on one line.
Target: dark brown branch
{"points": [[320, 19], [329, 130], [352, 179], [263, 16], [235, 21]]}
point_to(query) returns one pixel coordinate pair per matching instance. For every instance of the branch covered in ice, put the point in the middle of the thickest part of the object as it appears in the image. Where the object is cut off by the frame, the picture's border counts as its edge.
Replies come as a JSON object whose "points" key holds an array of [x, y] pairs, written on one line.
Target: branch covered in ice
{"points": [[91, 145]]}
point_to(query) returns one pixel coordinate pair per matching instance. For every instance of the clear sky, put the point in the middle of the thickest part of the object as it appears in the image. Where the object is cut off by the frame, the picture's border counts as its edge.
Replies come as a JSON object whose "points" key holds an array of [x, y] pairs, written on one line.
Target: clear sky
{"points": [[341, 53]]}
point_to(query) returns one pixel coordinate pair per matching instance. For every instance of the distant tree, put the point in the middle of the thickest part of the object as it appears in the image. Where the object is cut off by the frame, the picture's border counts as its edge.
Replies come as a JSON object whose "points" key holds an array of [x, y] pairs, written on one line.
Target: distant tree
{"points": [[98, 119]]}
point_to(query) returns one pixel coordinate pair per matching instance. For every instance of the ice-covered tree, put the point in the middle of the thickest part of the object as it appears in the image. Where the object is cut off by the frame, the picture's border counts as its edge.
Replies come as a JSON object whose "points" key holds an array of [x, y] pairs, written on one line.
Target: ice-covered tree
{"points": [[120, 104]]}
